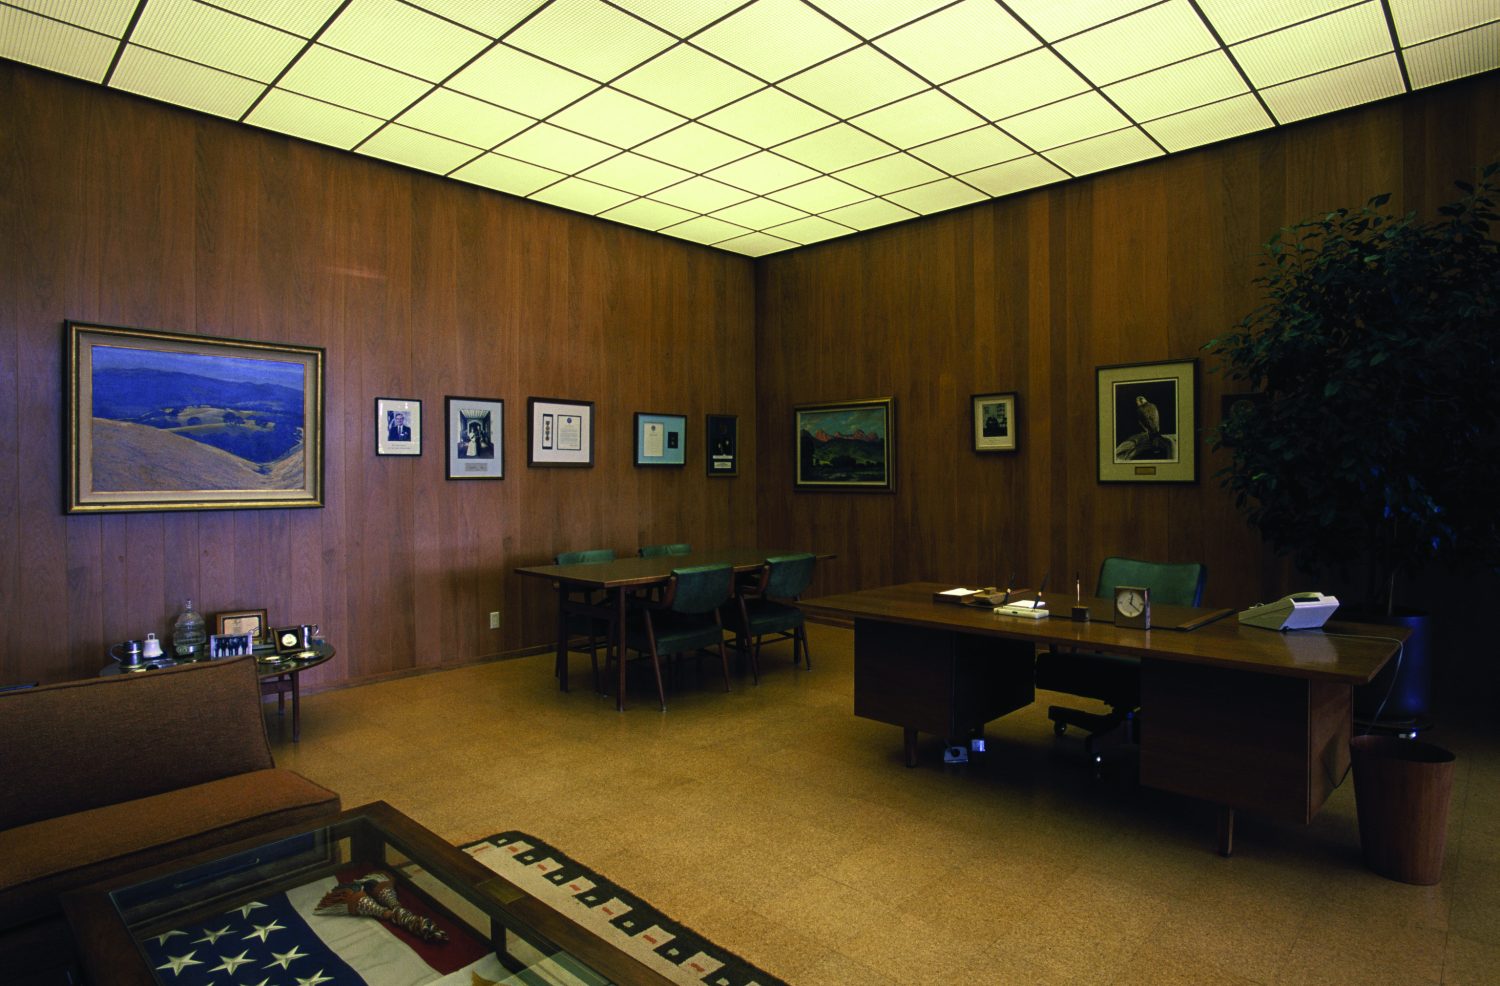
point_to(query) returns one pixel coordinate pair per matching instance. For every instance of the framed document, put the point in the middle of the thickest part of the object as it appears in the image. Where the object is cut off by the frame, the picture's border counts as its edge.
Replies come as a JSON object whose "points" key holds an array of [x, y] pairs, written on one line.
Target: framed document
{"points": [[723, 453], [660, 439], [559, 432]]}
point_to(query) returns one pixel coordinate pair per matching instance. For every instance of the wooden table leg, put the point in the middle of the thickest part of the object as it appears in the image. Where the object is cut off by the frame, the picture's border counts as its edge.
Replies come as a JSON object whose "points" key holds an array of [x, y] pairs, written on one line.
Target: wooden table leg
{"points": [[296, 706], [561, 669], [620, 646], [911, 746], [1226, 830]]}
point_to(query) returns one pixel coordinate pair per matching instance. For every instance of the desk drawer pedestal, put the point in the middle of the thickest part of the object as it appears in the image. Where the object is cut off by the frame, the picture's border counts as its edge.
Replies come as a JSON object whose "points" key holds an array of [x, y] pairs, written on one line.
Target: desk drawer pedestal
{"points": [[934, 681], [1270, 744]]}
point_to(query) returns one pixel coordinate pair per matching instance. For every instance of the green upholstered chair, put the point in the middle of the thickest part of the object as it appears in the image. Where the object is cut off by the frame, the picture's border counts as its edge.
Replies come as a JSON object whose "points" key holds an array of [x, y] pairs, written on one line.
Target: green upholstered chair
{"points": [[658, 550], [684, 619], [1114, 679], [761, 607], [584, 618]]}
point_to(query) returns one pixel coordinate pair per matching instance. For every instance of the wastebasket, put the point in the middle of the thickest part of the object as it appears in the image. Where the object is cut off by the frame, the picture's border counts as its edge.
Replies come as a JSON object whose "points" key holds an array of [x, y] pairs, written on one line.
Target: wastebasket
{"points": [[1401, 793]]}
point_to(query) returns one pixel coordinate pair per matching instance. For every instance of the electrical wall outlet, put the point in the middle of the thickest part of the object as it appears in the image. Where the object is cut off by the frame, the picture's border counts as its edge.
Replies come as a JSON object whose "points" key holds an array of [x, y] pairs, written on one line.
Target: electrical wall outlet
{"points": [[494, 619]]}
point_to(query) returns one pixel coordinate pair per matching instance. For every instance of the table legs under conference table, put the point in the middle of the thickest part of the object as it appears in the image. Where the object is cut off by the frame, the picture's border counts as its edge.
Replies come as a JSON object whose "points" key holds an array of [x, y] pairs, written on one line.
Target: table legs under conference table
{"points": [[1270, 744]]}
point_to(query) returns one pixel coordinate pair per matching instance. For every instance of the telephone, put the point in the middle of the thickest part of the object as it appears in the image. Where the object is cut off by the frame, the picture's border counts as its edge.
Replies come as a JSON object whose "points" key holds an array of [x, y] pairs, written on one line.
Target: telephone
{"points": [[1298, 611]]}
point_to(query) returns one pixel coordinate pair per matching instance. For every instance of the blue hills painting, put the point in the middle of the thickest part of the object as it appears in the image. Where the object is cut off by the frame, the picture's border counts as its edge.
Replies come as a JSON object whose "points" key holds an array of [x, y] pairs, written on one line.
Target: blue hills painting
{"points": [[178, 421]]}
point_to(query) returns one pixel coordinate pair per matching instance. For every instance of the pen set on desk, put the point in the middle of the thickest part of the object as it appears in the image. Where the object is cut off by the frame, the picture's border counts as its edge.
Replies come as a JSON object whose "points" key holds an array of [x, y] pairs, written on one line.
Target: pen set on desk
{"points": [[1080, 608]]}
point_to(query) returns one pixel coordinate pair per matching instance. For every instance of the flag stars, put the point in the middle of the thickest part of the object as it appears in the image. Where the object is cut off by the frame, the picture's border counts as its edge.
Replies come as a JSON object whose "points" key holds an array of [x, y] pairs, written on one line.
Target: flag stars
{"points": [[245, 911], [162, 939], [262, 931], [179, 962], [230, 964], [285, 959], [315, 979], [212, 937]]}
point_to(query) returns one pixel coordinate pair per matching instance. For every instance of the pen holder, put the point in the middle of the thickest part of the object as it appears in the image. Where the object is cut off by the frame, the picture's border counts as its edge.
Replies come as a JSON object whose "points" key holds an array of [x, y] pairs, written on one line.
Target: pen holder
{"points": [[1081, 613]]}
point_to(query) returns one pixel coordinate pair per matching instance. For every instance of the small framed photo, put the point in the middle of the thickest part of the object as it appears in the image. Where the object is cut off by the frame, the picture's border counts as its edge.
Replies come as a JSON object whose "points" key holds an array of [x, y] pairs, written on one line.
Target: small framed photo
{"points": [[660, 439], [230, 644], [476, 437], [995, 423], [723, 431], [1148, 422], [398, 426], [849, 445], [251, 621], [559, 432]]}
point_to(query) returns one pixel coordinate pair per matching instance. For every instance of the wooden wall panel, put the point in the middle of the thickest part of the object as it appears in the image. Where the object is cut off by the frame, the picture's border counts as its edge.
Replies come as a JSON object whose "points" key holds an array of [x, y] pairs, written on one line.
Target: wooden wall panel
{"points": [[1032, 294], [122, 211]]}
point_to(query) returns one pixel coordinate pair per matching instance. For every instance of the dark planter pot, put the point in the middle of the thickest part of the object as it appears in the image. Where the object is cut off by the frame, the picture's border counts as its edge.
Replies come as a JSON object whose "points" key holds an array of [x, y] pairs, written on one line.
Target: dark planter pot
{"points": [[1399, 698]]}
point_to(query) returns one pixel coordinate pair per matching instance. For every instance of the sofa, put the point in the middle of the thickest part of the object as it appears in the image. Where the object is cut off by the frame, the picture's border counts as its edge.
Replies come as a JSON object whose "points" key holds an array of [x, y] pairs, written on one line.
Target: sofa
{"points": [[108, 775]]}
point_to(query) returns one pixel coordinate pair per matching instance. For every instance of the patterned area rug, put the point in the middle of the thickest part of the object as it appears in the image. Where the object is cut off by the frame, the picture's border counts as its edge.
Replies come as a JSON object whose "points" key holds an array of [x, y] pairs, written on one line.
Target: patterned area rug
{"points": [[614, 913]]}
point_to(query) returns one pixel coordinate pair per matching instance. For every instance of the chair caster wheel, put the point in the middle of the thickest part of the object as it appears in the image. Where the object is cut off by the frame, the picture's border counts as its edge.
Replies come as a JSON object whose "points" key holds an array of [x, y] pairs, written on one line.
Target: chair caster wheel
{"points": [[1060, 728]]}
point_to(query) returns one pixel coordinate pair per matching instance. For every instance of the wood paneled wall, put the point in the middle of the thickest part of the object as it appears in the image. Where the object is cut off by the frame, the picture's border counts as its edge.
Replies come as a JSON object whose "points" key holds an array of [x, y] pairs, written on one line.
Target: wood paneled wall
{"points": [[126, 212], [1032, 294]]}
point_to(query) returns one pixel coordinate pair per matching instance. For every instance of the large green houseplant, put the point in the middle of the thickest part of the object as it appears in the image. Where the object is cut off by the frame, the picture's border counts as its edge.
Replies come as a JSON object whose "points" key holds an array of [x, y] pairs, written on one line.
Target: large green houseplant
{"points": [[1372, 447]]}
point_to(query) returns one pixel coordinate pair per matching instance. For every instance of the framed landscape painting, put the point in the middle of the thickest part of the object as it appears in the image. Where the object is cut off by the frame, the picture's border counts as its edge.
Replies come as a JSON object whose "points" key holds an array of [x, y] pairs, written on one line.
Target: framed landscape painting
{"points": [[167, 421], [848, 446], [1148, 422]]}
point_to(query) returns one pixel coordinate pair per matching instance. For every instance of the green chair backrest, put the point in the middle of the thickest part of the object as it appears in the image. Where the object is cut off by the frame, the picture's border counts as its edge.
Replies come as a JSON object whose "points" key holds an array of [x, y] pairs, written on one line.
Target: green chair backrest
{"points": [[585, 557], [701, 588], [657, 550], [789, 575], [1171, 583]]}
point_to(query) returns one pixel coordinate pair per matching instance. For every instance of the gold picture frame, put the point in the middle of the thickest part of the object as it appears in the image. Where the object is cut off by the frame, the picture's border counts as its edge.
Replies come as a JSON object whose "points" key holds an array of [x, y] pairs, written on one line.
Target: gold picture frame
{"points": [[251, 621], [167, 421]]}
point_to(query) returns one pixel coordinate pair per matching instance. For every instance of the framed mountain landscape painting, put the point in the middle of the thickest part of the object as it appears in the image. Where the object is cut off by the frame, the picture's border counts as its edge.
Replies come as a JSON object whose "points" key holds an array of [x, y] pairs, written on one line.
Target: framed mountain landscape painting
{"points": [[848, 446], [166, 421]]}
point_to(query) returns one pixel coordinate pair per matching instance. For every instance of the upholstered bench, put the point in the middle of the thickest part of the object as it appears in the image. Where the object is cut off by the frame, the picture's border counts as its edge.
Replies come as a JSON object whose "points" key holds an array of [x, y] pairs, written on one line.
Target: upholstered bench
{"points": [[109, 775]]}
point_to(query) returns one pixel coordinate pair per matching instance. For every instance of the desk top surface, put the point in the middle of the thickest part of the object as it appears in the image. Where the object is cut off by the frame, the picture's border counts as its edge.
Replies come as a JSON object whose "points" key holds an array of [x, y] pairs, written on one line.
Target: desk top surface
{"points": [[649, 571], [1348, 652]]}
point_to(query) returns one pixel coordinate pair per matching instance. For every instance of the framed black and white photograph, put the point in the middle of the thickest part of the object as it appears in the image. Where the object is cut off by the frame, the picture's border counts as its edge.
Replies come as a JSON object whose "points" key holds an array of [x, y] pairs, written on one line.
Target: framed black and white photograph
{"points": [[230, 644], [723, 450], [1148, 422], [559, 432], [398, 426], [476, 437], [660, 439], [994, 418], [168, 421]]}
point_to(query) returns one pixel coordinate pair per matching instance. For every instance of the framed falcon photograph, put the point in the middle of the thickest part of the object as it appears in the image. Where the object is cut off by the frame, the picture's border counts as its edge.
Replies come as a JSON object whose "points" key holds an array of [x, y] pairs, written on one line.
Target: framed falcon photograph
{"points": [[1148, 422]]}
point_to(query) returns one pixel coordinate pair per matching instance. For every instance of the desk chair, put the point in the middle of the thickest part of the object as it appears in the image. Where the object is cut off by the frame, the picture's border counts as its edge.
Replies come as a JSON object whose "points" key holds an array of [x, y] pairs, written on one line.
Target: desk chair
{"points": [[658, 550], [758, 614], [1114, 679], [583, 614], [684, 619]]}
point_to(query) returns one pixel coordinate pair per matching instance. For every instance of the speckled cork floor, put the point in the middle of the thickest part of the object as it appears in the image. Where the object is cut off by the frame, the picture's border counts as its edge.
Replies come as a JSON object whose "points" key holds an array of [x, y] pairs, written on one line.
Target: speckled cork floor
{"points": [[774, 822]]}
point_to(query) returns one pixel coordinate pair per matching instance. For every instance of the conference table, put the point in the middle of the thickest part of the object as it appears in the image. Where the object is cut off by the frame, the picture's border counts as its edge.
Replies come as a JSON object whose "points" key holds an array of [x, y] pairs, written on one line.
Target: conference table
{"points": [[621, 576], [1241, 717]]}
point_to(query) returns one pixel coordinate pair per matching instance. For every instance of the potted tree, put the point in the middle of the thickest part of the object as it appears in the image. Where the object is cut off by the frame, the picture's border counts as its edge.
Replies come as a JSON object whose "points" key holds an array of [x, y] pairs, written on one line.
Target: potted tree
{"points": [[1372, 447]]}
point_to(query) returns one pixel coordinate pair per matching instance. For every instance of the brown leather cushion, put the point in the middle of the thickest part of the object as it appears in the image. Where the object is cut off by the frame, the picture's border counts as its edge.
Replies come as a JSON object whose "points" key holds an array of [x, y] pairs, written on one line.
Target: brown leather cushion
{"points": [[77, 745], [41, 860]]}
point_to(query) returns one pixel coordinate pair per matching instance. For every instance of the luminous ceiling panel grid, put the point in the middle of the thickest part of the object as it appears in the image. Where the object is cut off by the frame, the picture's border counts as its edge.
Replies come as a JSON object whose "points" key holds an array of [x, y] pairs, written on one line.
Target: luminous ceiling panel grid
{"points": [[757, 126]]}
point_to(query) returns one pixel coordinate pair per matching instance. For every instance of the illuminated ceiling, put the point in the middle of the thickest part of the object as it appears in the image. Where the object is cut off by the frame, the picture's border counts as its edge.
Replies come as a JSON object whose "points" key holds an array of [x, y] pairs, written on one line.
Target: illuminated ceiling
{"points": [[759, 125]]}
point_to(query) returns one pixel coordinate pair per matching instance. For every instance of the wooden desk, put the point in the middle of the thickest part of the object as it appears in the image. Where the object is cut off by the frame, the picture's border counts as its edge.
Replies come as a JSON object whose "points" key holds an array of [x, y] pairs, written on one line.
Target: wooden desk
{"points": [[1238, 716], [621, 574]]}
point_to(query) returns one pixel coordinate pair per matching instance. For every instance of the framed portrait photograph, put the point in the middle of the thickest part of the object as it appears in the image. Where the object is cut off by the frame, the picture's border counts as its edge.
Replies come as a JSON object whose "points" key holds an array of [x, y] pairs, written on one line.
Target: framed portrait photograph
{"points": [[230, 645], [398, 426], [1148, 422], [995, 424], [167, 421], [660, 439], [848, 445], [723, 449], [559, 432], [476, 437], [251, 621]]}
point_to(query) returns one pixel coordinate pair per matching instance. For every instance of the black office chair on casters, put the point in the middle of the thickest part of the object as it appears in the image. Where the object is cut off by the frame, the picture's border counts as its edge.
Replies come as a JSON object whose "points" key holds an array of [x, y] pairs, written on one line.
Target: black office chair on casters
{"points": [[1114, 679]]}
